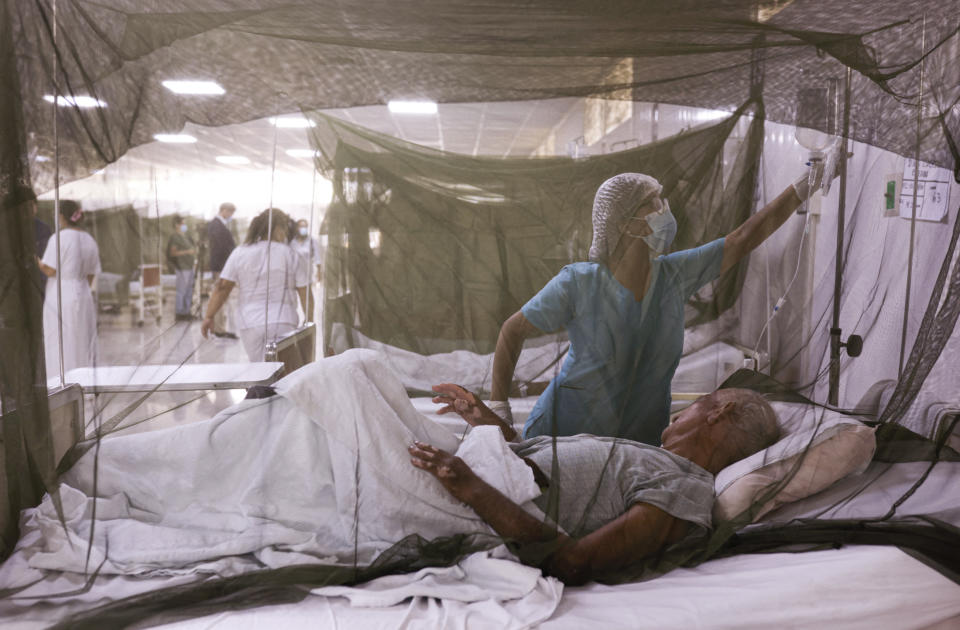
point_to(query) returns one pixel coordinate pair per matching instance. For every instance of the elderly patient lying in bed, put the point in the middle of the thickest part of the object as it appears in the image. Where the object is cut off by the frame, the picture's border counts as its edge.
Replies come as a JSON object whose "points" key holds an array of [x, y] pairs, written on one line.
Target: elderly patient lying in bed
{"points": [[630, 499], [322, 473]]}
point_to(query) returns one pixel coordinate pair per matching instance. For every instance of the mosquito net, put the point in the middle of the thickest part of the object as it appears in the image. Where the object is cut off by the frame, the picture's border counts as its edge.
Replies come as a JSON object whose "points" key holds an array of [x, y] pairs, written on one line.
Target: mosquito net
{"points": [[790, 272]]}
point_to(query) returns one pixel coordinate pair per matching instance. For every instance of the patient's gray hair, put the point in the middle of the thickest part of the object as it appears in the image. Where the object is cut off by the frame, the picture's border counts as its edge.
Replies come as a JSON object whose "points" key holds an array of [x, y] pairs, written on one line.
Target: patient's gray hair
{"points": [[756, 422]]}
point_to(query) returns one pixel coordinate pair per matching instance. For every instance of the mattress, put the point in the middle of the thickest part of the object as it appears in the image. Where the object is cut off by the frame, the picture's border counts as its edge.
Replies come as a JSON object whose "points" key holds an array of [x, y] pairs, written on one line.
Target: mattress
{"points": [[853, 588]]}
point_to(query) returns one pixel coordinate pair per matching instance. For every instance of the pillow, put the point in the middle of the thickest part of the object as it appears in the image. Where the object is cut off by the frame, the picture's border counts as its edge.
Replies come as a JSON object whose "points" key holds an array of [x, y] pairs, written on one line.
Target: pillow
{"points": [[827, 445]]}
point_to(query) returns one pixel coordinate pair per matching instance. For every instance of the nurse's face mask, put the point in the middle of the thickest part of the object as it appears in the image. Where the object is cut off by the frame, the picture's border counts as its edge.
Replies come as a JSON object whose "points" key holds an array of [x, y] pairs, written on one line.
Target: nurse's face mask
{"points": [[662, 228]]}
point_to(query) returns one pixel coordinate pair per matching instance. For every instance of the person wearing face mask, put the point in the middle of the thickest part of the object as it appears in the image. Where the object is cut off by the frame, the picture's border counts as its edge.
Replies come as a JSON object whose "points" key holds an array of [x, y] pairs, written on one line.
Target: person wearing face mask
{"points": [[269, 277], [181, 252], [624, 312], [310, 251]]}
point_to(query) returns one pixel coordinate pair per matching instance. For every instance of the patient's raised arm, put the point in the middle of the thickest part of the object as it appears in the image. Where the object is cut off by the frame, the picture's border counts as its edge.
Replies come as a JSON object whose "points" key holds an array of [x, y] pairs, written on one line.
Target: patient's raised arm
{"points": [[465, 404]]}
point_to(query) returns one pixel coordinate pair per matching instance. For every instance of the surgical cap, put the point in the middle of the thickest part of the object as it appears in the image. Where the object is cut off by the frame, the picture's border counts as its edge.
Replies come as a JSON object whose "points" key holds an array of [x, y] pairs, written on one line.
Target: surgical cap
{"points": [[617, 200]]}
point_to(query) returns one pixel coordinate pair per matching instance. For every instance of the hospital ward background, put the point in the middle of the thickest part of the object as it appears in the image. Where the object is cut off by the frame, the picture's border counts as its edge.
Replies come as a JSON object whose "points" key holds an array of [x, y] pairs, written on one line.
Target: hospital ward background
{"points": [[242, 241]]}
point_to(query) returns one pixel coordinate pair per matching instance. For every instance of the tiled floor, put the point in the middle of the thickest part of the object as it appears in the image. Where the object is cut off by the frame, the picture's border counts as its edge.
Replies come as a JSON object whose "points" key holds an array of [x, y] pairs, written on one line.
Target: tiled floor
{"points": [[122, 342]]}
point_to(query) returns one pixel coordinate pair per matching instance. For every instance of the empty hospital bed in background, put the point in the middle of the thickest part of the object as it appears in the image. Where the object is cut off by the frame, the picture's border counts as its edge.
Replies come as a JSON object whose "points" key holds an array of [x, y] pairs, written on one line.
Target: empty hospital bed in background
{"points": [[701, 369], [149, 294]]}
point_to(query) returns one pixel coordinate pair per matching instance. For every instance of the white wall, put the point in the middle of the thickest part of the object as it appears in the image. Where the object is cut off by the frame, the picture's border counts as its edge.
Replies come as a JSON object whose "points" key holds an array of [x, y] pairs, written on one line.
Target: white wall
{"points": [[875, 274]]}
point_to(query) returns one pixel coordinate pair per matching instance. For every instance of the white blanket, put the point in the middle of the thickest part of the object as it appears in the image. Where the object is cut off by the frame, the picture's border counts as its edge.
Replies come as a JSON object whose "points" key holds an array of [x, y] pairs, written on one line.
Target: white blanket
{"points": [[318, 473]]}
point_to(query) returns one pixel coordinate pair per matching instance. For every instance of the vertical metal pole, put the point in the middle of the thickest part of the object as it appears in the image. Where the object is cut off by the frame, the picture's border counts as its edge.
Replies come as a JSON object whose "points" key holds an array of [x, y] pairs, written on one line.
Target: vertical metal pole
{"points": [[913, 211], [266, 305], [311, 264], [56, 195], [835, 331], [156, 205]]}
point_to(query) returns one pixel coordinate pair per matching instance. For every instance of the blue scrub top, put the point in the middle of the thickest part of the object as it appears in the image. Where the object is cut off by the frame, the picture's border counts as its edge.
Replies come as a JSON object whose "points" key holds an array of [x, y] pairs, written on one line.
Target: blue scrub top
{"points": [[615, 380]]}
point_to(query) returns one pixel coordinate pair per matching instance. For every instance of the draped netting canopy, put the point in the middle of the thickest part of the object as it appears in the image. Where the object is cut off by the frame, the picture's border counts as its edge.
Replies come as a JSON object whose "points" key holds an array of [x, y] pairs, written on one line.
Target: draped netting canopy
{"points": [[846, 315]]}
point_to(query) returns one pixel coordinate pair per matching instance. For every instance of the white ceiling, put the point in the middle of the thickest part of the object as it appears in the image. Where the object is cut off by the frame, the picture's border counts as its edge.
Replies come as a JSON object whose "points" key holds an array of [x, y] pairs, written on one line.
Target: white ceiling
{"points": [[513, 129], [187, 178]]}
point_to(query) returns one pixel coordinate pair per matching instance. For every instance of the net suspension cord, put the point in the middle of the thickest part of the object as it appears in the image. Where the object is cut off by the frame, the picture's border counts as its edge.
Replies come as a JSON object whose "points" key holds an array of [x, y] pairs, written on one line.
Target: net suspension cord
{"points": [[56, 197], [156, 206], [311, 263], [266, 301], [913, 208]]}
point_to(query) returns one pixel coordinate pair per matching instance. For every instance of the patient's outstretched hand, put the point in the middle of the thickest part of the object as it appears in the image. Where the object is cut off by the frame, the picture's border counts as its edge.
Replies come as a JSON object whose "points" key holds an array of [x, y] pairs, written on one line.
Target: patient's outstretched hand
{"points": [[455, 475], [464, 403]]}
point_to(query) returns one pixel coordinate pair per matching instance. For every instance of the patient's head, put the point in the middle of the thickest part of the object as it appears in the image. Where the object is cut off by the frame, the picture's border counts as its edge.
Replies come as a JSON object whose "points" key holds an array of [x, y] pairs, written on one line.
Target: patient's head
{"points": [[722, 428]]}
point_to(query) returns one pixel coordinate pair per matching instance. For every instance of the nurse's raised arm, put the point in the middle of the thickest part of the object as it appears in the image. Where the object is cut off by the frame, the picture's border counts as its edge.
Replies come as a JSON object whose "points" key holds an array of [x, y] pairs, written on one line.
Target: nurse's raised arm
{"points": [[761, 225]]}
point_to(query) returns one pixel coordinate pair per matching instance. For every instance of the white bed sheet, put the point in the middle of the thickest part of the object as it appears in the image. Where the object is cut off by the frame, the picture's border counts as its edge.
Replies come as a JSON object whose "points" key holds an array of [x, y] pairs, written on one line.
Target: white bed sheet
{"points": [[854, 588], [851, 588]]}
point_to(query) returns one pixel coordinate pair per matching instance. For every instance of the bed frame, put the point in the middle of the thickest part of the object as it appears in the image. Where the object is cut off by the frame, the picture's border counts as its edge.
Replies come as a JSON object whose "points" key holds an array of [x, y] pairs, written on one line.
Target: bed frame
{"points": [[66, 424], [294, 349]]}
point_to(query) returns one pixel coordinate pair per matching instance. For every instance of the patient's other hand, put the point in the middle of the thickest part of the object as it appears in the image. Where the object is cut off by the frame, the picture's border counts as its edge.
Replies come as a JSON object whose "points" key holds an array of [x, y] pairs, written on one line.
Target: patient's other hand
{"points": [[465, 404], [455, 475]]}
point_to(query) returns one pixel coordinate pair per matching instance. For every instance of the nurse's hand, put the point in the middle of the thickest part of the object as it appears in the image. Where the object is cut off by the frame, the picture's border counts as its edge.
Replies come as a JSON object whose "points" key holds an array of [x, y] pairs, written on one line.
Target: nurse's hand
{"points": [[206, 327]]}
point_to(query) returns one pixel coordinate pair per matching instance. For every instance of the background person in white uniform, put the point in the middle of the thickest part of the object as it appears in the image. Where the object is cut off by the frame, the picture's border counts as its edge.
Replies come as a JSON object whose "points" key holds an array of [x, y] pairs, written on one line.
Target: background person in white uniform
{"points": [[79, 264], [268, 275], [310, 250]]}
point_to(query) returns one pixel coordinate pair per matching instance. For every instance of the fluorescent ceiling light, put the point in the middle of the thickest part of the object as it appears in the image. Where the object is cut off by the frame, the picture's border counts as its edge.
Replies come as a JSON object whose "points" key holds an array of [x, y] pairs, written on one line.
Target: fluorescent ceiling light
{"points": [[75, 101], [176, 138], [302, 153], [232, 159], [42, 158], [412, 107], [292, 122], [194, 87], [711, 114]]}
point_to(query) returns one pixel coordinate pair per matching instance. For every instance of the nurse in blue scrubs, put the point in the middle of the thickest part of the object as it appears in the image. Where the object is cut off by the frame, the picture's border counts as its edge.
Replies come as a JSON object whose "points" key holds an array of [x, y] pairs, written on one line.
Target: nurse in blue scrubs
{"points": [[623, 313]]}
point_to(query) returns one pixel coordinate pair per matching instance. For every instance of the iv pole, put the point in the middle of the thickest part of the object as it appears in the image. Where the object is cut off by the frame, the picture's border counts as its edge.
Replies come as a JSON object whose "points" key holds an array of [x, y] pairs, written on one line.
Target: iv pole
{"points": [[835, 332]]}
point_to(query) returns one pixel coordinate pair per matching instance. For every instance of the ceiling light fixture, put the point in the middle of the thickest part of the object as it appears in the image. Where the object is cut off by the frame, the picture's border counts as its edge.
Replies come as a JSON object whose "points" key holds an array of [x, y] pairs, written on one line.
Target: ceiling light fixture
{"points": [[711, 114], [233, 159], [292, 122], [194, 87], [174, 138], [412, 107], [75, 101], [302, 153]]}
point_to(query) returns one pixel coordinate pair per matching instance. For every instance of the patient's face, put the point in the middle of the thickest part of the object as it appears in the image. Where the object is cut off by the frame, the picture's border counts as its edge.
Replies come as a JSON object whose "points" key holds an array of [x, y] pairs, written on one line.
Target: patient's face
{"points": [[691, 420]]}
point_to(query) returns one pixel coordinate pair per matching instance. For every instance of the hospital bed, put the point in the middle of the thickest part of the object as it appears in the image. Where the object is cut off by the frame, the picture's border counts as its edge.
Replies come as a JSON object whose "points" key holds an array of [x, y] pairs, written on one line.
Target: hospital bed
{"points": [[172, 377], [295, 349], [149, 294], [854, 586], [851, 587], [113, 291]]}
